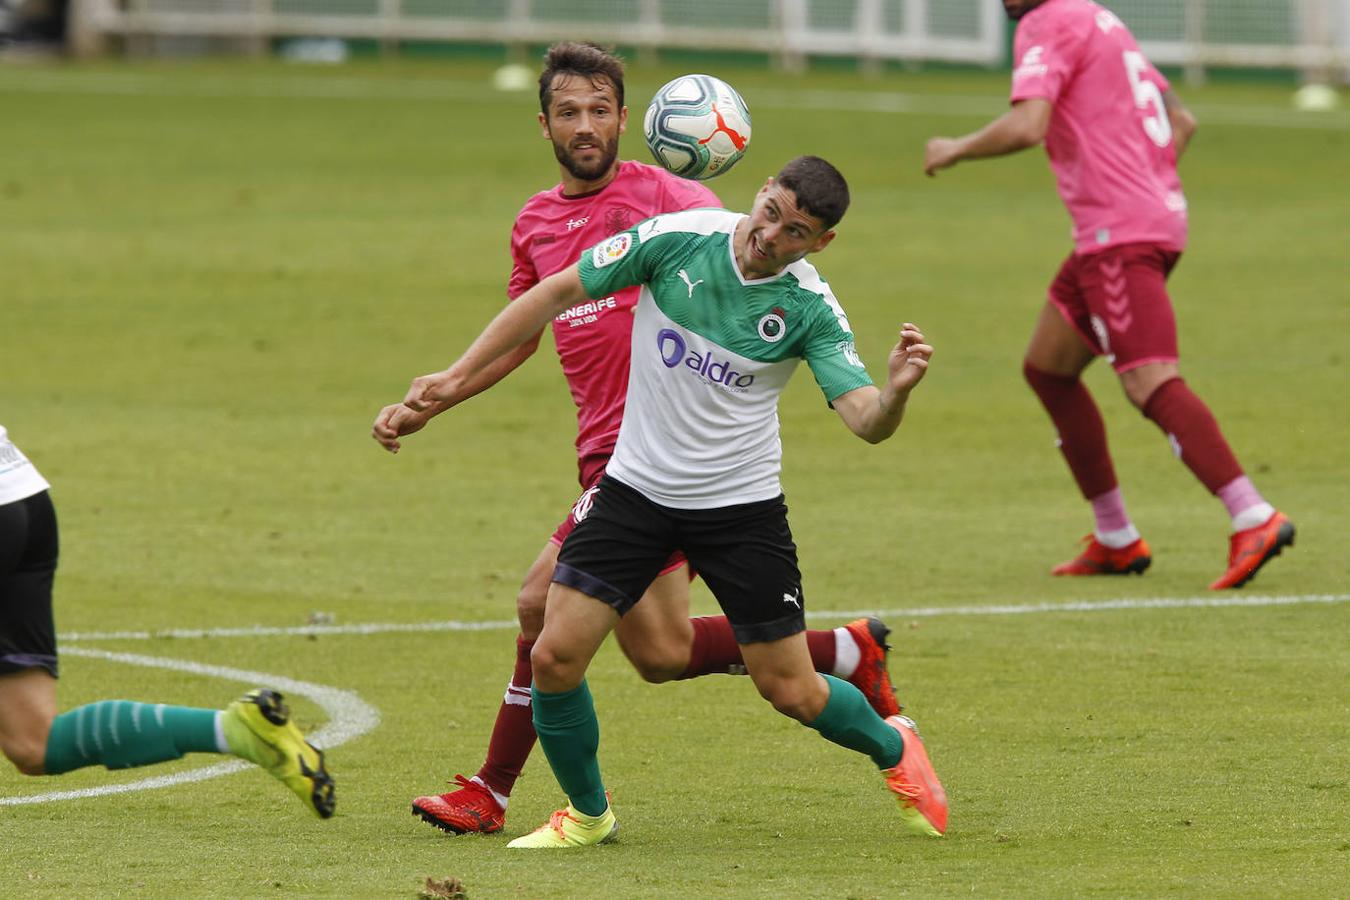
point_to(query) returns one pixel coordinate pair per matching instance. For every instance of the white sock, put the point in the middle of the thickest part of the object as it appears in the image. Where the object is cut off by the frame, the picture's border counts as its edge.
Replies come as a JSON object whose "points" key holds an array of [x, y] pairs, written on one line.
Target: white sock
{"points": [[1252, 516], [1117, 538], [500, 798], [221, 744], [846, 653]]}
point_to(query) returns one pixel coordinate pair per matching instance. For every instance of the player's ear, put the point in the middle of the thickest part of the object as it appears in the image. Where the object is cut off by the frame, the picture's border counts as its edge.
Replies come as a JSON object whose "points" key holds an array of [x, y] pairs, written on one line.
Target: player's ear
{"points": [[543, 126], [822, 242], [623, 119]]}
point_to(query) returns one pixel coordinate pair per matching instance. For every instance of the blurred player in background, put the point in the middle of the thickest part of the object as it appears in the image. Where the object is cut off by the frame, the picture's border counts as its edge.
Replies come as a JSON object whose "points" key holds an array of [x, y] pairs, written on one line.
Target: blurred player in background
{"points": [[727, 310], [1113, 130], [582, 114], [118, 734]]}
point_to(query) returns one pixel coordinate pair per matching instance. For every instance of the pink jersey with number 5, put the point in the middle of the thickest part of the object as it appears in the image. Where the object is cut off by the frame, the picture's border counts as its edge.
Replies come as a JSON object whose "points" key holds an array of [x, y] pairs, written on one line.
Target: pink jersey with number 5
{"points": [[1110, 141]]}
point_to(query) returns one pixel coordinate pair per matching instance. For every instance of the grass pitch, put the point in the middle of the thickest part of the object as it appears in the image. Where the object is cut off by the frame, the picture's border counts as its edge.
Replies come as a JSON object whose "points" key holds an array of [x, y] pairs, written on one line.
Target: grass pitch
{"points": [[215, 275]]}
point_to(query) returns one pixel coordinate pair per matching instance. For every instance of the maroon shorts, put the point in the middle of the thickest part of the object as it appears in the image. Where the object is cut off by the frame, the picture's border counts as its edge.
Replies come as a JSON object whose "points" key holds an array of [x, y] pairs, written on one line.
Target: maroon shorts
{"points": [[1117, 301], [591, 468]]}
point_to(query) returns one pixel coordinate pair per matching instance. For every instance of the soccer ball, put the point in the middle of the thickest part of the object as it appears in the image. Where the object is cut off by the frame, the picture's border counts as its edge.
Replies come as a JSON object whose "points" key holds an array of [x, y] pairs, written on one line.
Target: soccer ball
{"points": [[697, 126]]}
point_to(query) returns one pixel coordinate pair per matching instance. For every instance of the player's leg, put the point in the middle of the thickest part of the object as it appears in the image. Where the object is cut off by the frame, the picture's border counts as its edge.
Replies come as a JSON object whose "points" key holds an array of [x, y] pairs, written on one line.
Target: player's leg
{"points": [[607, 563], [1065, 340], [27, 708], [840, 713], [749, 560], [117, 734], [478, 804], [663, 644], [28, 666], [657, 635], [1147, 366], [575, 625]]}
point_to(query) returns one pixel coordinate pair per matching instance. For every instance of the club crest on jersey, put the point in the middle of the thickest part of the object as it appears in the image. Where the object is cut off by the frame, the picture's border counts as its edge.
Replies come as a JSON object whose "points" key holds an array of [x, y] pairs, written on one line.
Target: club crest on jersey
{"points": [[617, 219], [773, 326], [612, 250]]}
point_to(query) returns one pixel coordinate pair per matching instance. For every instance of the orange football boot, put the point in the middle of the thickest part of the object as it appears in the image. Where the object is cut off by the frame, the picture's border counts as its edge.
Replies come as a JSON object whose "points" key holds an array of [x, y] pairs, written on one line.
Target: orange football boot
{"points": [[923, 802], [1099, 559], [1252, 548], [871, 676]]}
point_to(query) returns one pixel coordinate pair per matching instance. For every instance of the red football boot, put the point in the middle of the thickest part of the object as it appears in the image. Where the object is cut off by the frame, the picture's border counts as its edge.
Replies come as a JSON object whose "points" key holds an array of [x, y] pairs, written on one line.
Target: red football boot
{"points": [[1099, 559], [1252, 548], [871, 676], [470, 808]]}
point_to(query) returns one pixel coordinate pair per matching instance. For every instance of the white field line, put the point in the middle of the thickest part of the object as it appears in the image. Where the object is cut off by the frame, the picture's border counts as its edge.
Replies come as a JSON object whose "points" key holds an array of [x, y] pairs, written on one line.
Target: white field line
{"points": [[355, 87], [348, 717], [903, 612]]}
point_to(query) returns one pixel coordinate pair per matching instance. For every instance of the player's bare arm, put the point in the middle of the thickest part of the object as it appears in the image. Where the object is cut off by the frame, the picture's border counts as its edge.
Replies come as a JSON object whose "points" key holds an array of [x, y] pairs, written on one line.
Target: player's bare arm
{"points": [[397, 420], [1021, 127], [520, 322], [873, 413], [1182, 119]]}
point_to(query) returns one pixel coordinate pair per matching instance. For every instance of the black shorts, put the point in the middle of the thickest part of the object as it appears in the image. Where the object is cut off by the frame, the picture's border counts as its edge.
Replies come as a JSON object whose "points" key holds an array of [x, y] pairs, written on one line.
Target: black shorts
{"points": [[744, 553], [28, 549]]}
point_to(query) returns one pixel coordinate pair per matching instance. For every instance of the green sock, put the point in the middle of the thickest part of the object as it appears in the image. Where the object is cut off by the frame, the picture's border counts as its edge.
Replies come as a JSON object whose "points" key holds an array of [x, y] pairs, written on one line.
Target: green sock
{"points": [[121, 734], [569, 732], [849, 721]]}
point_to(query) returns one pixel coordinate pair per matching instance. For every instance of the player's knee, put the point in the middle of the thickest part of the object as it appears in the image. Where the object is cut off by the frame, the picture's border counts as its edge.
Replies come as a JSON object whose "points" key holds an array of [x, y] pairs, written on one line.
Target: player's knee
{"points": [[1139, 392], [554, 667], [1030, 373], [659, 667], [789, 697], [27, 754], [1043, 382], [530, 609]]}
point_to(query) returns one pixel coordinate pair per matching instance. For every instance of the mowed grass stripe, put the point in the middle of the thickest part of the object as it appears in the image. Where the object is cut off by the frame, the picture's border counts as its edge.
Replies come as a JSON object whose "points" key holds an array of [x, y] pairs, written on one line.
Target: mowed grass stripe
{"points": [[284, 85]]}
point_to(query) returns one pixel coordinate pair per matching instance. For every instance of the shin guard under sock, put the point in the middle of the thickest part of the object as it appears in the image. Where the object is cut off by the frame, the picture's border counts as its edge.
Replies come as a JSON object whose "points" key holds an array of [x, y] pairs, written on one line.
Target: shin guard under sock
{"points": [[1082, 434], [121, 734], [569, 732], [1194, 434], [513, 733]]}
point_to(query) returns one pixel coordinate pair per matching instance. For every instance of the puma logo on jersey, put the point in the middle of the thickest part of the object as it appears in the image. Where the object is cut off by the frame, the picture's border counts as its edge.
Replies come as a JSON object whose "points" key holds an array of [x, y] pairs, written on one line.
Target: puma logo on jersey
{"points": [[792, 598], [684, 276]]}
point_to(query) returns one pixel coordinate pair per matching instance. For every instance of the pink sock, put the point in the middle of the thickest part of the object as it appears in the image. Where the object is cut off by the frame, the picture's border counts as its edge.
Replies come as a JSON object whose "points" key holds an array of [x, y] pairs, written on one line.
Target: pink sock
{"points": [[1239, 495], [1109, 510]]}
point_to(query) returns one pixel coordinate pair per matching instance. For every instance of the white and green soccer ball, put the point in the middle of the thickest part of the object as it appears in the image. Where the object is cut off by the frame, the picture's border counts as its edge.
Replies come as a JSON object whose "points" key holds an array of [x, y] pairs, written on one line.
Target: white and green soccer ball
{"points": [[697, 126]]}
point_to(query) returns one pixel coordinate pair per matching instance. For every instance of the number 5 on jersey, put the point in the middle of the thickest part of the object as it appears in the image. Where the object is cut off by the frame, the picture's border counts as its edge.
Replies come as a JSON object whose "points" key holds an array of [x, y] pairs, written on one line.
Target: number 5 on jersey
{"points": [[1158, 127]]}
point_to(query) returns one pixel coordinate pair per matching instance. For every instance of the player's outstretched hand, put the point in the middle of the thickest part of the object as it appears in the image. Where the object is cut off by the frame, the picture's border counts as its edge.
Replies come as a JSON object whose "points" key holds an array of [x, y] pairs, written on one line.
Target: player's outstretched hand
{"points": [[909, 359], [940, 153], [393, 422], [426, 391]]}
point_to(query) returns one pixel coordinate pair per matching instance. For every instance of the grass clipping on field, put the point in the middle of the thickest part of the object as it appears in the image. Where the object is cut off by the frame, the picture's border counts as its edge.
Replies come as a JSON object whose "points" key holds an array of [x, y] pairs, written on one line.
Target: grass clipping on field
{"points": [[443, 889]]}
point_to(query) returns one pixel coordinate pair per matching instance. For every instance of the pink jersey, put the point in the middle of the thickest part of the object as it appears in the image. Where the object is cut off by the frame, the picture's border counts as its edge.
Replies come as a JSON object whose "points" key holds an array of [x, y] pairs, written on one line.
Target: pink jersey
{"points": [[593, 338], [1110, 141]]}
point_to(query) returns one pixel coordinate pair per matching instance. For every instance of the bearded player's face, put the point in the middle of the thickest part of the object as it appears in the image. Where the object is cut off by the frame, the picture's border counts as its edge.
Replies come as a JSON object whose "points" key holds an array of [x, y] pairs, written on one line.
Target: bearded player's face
{"points": [[584, 123]]}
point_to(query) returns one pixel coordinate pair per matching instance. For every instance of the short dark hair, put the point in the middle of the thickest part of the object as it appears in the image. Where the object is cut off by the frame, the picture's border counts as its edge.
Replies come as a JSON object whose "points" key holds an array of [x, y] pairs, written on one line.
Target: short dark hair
{"points": [[579, 58], [821, 190]]}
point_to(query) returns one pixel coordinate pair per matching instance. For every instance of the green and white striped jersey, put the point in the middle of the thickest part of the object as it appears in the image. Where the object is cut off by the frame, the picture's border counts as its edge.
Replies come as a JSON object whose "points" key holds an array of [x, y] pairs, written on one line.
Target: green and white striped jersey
{"points": [[711, 353]]}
